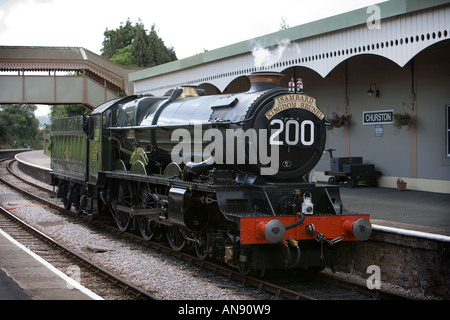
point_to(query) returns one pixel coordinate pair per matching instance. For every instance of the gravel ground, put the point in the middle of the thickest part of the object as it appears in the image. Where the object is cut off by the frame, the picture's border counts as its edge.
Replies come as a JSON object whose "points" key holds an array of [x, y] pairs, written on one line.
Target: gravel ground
{"points": [[166, 277]]}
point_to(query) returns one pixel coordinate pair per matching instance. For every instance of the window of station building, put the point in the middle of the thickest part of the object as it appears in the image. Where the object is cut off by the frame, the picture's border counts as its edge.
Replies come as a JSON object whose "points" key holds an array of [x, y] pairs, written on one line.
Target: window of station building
{"points": [[447, 107]]}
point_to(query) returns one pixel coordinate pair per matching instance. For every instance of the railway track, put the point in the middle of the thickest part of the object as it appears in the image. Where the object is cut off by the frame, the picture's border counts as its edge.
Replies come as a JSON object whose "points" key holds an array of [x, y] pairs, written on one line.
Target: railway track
{"points": [[305, 287], [98, 279]]}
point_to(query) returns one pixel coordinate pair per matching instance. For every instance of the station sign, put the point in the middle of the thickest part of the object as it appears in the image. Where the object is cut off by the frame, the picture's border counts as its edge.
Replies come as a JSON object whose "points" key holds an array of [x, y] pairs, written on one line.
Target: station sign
{"points": [[378, 117]]}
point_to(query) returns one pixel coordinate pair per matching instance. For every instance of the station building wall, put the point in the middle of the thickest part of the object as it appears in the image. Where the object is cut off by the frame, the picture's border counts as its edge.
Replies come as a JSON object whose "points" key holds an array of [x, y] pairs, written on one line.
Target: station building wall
{"points": [[418, 152]]}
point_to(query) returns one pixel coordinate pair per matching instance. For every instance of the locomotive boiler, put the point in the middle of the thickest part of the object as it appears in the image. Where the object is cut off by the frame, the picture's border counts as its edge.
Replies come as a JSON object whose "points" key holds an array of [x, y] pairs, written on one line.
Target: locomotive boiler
{"points": [[226, 175]]}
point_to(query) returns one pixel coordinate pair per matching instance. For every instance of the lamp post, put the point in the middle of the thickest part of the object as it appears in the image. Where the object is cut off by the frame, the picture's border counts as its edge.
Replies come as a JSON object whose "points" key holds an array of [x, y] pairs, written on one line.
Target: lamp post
{"points": [[45, 130]]}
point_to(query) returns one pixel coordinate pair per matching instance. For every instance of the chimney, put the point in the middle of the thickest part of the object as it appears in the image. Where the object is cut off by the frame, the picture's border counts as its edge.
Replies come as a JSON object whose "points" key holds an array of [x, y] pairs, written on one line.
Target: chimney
{"points": [[264, 80]]}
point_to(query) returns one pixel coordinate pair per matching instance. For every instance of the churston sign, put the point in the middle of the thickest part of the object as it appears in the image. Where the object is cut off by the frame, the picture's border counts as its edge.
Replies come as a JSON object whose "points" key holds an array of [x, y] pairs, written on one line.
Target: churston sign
{"points": [[378, 117]]}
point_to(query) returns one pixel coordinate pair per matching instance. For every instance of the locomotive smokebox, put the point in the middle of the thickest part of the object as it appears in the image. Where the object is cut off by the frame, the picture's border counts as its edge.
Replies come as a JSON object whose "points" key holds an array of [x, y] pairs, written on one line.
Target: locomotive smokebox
{"points": [[293, 124], [260, 81]]}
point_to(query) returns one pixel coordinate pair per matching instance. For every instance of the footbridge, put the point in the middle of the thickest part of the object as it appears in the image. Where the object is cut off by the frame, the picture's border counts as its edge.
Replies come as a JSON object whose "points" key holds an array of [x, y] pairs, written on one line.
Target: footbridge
{"points": [[60, 75]]}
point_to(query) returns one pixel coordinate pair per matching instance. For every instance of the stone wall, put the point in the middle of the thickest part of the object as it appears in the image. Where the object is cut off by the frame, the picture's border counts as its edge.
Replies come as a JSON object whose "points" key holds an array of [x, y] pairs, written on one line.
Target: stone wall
{"points": [[40, 174], [407, 261]]}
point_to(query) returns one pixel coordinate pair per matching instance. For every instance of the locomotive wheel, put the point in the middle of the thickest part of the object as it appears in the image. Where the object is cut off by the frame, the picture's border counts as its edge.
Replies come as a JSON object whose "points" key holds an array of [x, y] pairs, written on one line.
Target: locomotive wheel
{"points": [[66, 201], [147, 228], [79, 193], [203, 244], [64, 193], [245, 270], [145, 201], [175, 238], [124, 198], [77, 200]]}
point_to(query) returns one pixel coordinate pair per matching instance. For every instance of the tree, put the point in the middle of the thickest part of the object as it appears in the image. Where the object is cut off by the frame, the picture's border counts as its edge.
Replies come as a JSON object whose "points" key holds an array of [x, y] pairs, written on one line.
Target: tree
{"points": [[19, 126], [118, 39], [132, 46], [140, 47], [65, 111], [159, 53], [125, 57], [283, 23]]}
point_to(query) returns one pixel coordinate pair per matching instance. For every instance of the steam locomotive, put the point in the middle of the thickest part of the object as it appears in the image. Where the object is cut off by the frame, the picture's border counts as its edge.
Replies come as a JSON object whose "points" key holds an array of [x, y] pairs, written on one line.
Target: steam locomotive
{"points": [[226, 175]]}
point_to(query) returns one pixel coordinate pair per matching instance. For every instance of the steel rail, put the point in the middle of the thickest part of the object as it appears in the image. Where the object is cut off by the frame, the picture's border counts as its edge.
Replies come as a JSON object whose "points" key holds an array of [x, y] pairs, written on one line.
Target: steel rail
{"points": [[137, 292]]}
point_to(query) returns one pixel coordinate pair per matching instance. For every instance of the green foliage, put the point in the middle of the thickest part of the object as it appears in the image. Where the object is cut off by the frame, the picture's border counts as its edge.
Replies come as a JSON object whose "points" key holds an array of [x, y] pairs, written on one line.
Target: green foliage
{"points": [[66, 111], [131, 46], [118, 39], [159, 53], [19, 126], [124, 57]]}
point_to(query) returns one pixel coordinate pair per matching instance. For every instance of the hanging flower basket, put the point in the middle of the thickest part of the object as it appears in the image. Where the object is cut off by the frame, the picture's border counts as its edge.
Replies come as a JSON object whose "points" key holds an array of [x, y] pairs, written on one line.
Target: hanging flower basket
{"points": [[338, 121], [401, 119]]}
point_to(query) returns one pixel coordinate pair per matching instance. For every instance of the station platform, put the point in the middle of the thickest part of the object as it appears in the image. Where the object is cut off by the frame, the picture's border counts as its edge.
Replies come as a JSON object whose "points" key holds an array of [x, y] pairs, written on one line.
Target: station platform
{"points": [[411, 210], [26, 276], [35, 158]]}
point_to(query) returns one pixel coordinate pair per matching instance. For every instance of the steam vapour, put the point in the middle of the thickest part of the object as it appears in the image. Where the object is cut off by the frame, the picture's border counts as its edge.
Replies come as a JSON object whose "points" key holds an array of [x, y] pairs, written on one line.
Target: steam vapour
{"points": [[265, 56]]}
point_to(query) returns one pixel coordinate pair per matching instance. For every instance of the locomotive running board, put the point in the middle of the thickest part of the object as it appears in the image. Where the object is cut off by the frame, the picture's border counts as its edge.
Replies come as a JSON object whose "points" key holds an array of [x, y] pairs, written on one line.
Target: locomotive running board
{"points": [[138, 211], [160, 180]]}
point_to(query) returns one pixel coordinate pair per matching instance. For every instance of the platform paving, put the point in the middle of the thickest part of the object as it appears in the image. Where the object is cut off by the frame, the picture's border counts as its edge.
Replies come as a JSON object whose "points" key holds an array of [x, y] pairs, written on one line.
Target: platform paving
{"points": [[37, 158], [410, 209], [26, 276]]}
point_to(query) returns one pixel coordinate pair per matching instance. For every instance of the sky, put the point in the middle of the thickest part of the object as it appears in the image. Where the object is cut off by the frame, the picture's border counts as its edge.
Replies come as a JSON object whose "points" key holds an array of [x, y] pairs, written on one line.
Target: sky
{"points": [[190, 27]]}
